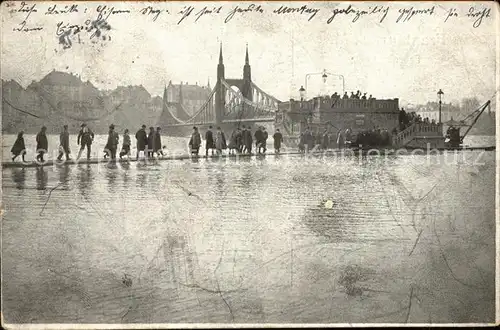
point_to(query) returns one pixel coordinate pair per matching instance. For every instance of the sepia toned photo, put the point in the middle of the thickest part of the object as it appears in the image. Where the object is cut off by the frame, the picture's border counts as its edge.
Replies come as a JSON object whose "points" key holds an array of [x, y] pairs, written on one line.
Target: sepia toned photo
{"points": [[217, 164]]}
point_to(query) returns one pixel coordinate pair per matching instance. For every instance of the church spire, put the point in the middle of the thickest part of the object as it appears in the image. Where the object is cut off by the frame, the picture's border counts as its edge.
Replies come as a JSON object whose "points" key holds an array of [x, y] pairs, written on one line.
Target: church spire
{"points": [[220, 54], [246, 56], [247, 75], [220, 66]]}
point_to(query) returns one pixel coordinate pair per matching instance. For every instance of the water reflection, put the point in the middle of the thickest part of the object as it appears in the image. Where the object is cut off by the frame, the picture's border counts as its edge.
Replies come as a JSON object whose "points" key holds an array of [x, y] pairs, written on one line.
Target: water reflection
{"points": [[125, 173], [64, 176], [41, 178], [141, 179], [111, 175], [220, 184], [85, 178], [19, 177]]}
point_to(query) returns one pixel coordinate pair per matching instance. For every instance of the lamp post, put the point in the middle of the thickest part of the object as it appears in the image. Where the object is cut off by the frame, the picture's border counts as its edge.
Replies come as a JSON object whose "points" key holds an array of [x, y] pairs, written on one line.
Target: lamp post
{"points": [[440, 94], [302, 92], [324, 75]]}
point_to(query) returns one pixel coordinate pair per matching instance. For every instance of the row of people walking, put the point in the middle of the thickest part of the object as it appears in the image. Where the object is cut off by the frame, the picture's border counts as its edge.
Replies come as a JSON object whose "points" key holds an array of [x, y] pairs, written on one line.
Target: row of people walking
{"points": [[241, 141], [146, 143]]}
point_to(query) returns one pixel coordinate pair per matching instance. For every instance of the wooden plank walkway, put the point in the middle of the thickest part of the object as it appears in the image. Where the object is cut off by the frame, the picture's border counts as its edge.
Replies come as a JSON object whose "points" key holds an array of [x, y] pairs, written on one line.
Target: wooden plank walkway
{"points": [[223, 156]]}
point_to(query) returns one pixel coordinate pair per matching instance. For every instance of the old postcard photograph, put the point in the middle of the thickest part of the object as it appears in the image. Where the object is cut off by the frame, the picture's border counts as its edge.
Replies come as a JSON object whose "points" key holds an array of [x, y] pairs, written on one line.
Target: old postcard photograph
{"points": [[238, 163]]}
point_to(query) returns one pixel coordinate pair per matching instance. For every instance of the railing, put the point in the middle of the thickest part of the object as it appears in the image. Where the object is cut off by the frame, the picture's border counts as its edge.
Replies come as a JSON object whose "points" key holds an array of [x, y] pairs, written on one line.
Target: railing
{"points": [[414, 130]]}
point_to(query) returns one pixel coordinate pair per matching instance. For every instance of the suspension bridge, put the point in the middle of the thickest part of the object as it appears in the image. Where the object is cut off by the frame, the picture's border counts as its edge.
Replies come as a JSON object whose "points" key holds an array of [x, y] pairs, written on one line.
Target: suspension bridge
{"points": [[230, 104]]}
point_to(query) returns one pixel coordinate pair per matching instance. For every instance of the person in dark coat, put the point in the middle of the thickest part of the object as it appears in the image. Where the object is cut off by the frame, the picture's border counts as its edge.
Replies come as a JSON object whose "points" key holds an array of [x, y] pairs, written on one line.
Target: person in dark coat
{"points": [[142, 140], [157, 143], [151, 142], [86, 137], [19, 147], [209, 141], [64, 143], [233, 143], [239, 140], [112, 144], [42, 144], [258, 139], [265, 135], [195, 141], [278, 138], [126, 144], [220, 141], [309, 140], [247, 139]]}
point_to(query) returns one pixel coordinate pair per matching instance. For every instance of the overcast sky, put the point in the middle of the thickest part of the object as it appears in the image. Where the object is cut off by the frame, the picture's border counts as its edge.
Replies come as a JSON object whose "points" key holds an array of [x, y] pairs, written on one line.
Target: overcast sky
{"points": [[406, 59]]}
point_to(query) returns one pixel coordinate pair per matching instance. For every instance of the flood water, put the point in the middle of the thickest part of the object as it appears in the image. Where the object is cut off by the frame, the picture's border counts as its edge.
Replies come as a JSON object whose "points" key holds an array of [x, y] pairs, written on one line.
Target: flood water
{"points": [[271, 239]]}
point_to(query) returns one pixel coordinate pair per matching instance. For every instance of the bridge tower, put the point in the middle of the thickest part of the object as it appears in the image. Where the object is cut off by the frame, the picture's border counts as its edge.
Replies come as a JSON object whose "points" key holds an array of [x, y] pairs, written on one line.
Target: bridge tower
{"points": [[220, 91], [247, 78]]}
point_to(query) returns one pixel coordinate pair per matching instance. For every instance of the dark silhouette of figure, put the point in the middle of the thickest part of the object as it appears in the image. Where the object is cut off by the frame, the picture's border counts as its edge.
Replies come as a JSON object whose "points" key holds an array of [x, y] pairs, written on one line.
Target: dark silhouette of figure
{"points": [[247, 140], [345, 96], [158, 145], [151, 142], [112, 144], [309, 140], [19, 147], [352, 95], [64, 144], [302, 142], [86, 137], [142, 141], [126, 144], [220, 141], [42, 144], [259, 136], [209, 141], [364, 96], [233, 143], [278, 139], [265, 135], [239, 140], [195, 141]]}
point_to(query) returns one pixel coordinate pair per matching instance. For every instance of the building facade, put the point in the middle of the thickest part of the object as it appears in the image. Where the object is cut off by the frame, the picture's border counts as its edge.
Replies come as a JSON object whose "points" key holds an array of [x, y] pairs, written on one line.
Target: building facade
{"points": [[191, 97], [336, 115]]}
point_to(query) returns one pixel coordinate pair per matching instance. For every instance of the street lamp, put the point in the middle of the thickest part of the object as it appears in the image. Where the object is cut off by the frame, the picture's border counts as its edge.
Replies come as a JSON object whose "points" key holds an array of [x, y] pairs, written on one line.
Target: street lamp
{"points": [[324, 75], [302, 92], [440, 94]]}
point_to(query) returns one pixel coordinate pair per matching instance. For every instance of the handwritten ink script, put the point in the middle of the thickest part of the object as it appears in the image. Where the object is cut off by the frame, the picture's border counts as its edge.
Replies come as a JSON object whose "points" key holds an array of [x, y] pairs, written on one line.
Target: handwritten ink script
{"points": [[93, 21]]}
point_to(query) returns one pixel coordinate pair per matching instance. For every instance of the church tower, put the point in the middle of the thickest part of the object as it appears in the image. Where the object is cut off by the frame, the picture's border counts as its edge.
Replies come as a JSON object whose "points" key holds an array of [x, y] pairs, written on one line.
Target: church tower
{"points": [[220, 66], [220, 92], [247, 75]]}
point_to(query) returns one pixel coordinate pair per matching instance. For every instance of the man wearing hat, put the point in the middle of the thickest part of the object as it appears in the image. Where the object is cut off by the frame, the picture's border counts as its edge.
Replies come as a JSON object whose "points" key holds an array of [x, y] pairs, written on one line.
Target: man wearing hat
{"points": [[85, 136], [142, 140], [112, 144], [64, 143]]}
